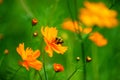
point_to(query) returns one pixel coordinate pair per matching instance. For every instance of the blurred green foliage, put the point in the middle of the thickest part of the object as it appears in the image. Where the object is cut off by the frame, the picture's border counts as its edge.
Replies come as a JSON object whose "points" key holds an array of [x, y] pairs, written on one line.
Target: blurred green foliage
{"points": [[16, 27]]}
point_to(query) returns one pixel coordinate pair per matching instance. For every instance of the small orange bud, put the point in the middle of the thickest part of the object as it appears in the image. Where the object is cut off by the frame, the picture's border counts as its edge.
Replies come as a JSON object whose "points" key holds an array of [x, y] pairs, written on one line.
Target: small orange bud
{"points": [[6, 51], [88, 59], [58, 67], [1, 36], [34, 21]]}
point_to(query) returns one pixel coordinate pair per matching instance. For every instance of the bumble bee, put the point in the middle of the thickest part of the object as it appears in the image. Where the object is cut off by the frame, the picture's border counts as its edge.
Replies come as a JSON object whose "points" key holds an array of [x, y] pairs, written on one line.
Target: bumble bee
{"points": [[59, 40]]}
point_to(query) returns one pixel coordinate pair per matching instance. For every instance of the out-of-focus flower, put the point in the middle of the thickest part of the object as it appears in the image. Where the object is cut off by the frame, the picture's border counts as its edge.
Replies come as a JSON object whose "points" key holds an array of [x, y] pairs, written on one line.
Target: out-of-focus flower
{"points": [[52, 41], [70, 25], [87, 30], [6, 51], [74, 27], [1, 1], [98, 14], [98, 39], [1, 36], [29, 57], [58, 67]]}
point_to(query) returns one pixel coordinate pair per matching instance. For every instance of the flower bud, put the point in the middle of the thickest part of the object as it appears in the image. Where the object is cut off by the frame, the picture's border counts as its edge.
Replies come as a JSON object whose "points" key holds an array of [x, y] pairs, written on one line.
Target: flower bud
{"points": [[34, 21], [77, 58], [58, 67], [88, 59], [35, 34]]}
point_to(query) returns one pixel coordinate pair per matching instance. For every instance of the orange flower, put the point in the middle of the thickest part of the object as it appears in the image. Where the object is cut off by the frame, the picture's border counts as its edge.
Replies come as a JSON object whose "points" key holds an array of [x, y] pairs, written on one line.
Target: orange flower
{"points": [[87, 30], [29, 57], [92, 15], [58, 67], [74, 27], [98, 39], [51, 39]]}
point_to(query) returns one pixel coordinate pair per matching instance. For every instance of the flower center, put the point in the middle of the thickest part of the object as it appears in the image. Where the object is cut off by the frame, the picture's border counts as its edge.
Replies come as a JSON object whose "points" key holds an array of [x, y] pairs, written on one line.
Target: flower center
{"points": [[59, 40]]}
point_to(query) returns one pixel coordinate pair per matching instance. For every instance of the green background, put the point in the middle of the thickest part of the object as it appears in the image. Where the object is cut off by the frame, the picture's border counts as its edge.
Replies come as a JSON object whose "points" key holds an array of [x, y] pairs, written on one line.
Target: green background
{"points": [[16, 27]]}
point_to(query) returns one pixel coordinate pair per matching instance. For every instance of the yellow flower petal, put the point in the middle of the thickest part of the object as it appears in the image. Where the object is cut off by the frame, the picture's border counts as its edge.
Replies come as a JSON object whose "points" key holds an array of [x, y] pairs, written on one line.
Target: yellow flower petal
{"points": [[35, 64], [59, 48], [36, 54], [49, 33], [49, 50], [21, 52]]}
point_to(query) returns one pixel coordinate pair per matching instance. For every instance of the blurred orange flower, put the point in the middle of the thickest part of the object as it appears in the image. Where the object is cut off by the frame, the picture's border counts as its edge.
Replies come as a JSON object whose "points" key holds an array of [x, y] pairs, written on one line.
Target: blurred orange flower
{"points": [[1, 1], [58, 67], [29, 57], [74, 27], [98, 14], [98, 39], [6, 51], [50, 38], [70, 25]]}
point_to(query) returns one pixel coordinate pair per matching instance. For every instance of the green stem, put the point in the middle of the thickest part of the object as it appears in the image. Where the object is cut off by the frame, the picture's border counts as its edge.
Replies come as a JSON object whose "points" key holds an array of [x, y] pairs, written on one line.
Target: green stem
{"points": [[72, 74], [12, 78], [68, 5], [51, 14], [25, 7], [83, 59], [69, 9], [95, 63], [44, 68], [39, 75], [76, 9], [54, 76], [2, 59], [113, 3], [43, 59]]}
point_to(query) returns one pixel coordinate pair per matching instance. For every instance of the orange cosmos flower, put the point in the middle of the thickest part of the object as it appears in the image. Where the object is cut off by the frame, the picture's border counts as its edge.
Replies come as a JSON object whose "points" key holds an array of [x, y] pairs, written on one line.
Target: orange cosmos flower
{"points": [[29, 57], [74, 27], [98, 39], [52, 41], [58, 67], [92, 15]]}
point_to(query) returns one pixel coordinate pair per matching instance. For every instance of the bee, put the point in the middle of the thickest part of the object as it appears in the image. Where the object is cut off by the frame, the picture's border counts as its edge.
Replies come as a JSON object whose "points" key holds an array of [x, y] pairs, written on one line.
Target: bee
{"points": [[59, 40]]}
